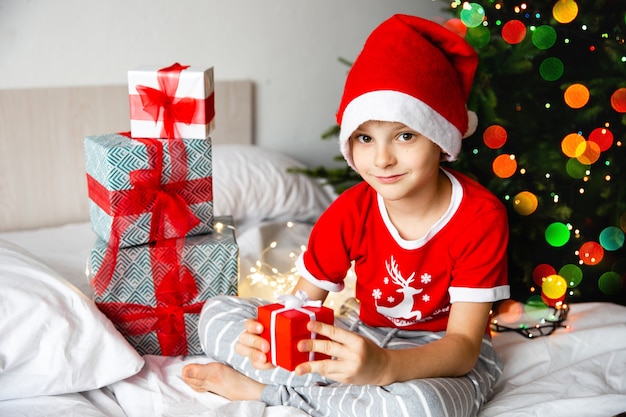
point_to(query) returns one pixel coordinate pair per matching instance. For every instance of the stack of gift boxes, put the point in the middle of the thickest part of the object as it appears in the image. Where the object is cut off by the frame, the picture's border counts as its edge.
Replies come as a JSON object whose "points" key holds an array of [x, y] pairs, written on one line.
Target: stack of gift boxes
{"points": [[160, 253]]}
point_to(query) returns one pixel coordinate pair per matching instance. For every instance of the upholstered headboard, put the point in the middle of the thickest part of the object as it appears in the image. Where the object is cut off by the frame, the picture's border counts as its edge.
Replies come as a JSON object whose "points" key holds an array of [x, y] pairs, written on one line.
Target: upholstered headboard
{"points": [[42, 170]]}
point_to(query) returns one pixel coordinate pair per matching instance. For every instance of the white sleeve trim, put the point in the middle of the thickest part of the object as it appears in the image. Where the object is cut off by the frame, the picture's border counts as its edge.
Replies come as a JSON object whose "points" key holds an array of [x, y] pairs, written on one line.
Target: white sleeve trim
{"points": [[325, 285], [479, 295]]}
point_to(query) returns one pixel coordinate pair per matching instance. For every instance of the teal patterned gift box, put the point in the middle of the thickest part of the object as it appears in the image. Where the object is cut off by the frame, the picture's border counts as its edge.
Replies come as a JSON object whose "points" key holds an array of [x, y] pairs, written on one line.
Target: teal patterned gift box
{"points": [[144, 190], [157, 290]]}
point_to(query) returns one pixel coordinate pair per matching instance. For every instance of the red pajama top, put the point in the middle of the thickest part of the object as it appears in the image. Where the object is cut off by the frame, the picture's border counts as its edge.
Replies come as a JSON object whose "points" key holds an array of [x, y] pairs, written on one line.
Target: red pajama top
{"points": [[411, 284]]}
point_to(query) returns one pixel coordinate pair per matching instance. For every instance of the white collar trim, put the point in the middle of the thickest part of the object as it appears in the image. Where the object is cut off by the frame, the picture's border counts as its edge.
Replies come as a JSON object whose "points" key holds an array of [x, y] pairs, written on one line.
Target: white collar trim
{"points": [[455, 202]]}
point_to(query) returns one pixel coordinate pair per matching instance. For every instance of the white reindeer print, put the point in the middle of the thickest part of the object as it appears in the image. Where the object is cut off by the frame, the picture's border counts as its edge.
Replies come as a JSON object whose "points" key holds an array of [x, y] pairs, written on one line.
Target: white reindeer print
{"points": [[403, 313]]}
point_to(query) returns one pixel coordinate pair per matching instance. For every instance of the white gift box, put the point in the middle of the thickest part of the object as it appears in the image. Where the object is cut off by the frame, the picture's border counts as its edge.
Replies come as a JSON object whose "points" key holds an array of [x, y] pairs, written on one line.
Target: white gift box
{"points": [[171, 102]]}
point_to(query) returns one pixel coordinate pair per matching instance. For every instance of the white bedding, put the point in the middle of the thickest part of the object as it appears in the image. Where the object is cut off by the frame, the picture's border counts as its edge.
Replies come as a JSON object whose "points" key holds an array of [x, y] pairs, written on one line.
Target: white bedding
{"points": [[579, 371]]}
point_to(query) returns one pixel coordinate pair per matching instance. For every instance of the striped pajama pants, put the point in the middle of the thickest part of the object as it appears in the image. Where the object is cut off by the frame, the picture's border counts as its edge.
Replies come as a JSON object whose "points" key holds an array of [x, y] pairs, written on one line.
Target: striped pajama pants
{"points": [[221, 323]]}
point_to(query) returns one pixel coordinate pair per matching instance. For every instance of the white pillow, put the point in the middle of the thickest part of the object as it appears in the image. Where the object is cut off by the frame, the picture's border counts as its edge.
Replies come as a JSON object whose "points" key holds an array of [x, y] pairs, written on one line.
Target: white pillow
{"points": [[53, 339], [252, 184]]}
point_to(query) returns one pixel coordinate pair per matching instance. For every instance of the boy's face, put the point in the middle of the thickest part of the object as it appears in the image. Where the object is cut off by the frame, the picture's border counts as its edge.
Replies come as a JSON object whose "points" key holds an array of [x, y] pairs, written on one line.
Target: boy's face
{"points": [[395, 160]]}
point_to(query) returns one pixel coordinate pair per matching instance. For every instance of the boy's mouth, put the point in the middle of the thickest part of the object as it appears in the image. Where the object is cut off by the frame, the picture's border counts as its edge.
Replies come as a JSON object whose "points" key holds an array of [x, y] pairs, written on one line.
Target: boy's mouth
{"points": [[388, 179]]}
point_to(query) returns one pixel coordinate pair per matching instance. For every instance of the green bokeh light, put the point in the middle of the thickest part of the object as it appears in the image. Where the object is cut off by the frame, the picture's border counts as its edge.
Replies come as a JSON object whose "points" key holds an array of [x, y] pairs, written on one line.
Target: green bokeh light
{"points": [[610, 283], [575, 169], [544, 37], [536, 308], [551, 69], [557, 234], [572, 274], [472, 14], [478, 36]]}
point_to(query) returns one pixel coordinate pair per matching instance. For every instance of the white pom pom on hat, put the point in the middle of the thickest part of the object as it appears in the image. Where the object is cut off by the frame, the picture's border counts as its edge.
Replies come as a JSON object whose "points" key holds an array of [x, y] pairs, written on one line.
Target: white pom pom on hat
{"points": [[416, 72]]}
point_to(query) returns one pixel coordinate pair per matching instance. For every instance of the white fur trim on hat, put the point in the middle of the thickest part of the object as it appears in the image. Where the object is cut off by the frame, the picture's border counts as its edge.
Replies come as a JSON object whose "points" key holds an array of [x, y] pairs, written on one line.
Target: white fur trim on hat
{"points": [[395, 106], [472, 124]]}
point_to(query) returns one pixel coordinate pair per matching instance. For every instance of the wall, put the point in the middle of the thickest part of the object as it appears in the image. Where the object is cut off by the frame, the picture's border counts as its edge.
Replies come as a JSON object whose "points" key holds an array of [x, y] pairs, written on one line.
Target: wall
{"points": [[289, 48]]}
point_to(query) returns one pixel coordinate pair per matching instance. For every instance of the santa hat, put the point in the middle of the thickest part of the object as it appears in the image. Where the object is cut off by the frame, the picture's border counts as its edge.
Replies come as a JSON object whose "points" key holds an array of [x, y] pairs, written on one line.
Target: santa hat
{"points": [[416, 72]]}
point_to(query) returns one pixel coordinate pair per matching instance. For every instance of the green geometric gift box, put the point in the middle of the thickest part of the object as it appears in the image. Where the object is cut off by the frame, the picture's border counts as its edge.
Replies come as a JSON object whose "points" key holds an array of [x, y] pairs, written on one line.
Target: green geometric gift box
{"points": [[144, 190], [157, 290]]}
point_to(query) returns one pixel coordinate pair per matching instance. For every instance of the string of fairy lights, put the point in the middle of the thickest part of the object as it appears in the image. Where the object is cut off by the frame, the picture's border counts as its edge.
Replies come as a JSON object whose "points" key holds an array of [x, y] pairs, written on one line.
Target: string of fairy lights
{"points": [[546, 319], [264, 273]]}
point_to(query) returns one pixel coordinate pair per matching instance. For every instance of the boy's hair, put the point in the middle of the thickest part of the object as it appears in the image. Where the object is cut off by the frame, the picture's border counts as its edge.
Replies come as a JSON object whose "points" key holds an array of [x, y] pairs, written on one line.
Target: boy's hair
{"points": [[416, 72]]}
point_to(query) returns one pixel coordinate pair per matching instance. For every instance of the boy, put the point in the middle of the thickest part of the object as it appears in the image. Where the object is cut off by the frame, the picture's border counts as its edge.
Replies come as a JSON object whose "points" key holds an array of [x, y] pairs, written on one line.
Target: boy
{"points": [[428, 246]]}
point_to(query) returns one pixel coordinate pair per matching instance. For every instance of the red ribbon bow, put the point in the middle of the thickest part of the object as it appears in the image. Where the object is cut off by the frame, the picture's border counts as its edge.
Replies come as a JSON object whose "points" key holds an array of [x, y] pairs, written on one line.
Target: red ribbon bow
{"points": [[166, 202], [175, 289], [174, 110]]}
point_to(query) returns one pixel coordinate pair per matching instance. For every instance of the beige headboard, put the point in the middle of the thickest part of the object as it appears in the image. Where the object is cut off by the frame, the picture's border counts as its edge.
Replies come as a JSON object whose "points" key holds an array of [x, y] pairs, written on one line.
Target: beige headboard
{"points": [[42, 170]]}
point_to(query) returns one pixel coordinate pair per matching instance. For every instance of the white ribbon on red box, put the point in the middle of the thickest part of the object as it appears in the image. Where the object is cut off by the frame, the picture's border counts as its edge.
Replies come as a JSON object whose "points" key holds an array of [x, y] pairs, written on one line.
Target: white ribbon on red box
{"points": [[296, 301]]}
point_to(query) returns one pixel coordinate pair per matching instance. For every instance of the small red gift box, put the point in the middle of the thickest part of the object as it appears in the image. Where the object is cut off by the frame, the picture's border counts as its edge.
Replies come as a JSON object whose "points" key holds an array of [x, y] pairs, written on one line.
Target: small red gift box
{"points": [[284, 325]]}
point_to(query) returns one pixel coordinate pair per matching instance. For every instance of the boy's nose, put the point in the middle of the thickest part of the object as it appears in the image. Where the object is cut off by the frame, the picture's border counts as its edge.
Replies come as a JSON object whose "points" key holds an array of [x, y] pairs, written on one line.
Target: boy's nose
{"points": [[384, 157]]}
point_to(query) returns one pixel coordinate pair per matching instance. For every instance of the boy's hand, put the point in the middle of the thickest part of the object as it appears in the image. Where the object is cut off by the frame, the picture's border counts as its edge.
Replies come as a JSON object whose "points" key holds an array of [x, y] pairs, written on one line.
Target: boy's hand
{"points": [[356, 360], [253, 346]]}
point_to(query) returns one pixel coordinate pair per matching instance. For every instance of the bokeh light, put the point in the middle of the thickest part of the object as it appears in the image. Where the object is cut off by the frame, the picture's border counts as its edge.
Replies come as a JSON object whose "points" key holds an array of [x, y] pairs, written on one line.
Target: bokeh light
{"points": [[504, 166], [525, 203], [541, 272], [612, 238], [513, 32], [551, 69], [590, 152], [576, 96], [571, 145], [536, 308], [510, 311], [552, 302], [564, 11], [591, 253], [572, 274], [603, 137], [554, 287], [478, 36], [457, 26], [610, 283], [576, 169], [618, 100], [495, 136], [544, 37], [557, 234], [472, 14]]}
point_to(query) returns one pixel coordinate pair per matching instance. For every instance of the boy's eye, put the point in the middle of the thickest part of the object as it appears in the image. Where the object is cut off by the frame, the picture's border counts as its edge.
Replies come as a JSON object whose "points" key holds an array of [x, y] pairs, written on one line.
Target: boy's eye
{"points": [[404, 137], [363, 138]]}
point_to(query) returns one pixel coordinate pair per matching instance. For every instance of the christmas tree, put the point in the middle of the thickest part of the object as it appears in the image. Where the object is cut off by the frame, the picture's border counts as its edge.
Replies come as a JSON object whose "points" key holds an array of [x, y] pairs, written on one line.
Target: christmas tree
{"points": [[550, 95]]}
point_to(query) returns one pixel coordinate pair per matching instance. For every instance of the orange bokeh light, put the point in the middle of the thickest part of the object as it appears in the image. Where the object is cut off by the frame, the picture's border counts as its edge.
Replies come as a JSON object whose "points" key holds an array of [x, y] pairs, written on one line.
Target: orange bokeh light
{"points": [[590, 153], [504, 166], [576, 96], [525, 203], [564, 11], [618, 100], [571, 145]]}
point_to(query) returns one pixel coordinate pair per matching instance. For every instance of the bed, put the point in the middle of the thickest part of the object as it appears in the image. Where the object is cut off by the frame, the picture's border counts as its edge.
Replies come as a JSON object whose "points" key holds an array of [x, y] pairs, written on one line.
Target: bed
{"points": [[59, 356]]}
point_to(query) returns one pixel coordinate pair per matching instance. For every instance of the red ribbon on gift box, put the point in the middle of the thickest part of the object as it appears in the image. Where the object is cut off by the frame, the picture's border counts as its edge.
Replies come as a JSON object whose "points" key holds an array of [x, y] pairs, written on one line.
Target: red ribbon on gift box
{"points": [[154, 104], [174, 290], [168, 203]]}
